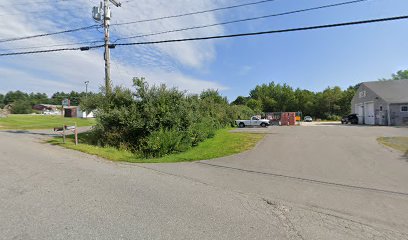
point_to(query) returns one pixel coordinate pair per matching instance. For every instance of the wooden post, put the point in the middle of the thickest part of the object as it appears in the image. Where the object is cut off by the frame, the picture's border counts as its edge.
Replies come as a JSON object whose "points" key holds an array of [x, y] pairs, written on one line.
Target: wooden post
{"points": [[63, 133], [76, 135]]}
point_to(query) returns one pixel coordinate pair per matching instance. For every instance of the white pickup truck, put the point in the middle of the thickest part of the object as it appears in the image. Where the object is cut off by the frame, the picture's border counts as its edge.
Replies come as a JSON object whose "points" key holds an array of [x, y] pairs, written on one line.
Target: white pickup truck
{"points": [[255, 121]]}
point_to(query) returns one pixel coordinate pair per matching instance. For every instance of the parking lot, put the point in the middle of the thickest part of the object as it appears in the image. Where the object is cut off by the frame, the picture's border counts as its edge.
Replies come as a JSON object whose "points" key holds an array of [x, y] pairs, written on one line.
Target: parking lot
{"points": [[320, 181], [338, 169]]}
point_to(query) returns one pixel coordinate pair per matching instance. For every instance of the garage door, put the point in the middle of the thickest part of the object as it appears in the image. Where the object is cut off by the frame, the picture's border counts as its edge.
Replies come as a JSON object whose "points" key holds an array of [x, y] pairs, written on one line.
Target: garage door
{"points": [[359, 112], [369, 117]]}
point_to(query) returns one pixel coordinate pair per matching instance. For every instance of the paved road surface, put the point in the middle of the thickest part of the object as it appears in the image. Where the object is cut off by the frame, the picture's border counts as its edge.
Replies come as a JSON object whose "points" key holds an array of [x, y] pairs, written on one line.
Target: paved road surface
{"points": [[312, 182]]}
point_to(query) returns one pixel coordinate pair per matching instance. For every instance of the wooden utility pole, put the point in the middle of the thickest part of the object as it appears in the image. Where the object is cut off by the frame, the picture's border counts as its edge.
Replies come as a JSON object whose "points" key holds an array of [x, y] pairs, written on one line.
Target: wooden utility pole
{"points": [[106, 22]]}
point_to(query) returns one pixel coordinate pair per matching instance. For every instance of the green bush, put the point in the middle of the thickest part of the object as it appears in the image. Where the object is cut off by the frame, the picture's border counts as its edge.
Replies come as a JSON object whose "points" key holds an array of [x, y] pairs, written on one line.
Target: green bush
{"points": [[21, 107], [155, 121]]}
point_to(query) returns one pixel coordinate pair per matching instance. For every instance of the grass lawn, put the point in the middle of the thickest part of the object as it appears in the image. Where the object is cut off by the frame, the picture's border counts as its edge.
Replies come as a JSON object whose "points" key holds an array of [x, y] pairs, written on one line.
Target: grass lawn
{"points": [[26, 121], [399, 143], [223, 144]]}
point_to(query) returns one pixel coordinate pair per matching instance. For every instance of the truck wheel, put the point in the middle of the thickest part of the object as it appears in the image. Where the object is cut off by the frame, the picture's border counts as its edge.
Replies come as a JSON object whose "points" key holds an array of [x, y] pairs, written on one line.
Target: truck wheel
{"points": [[241, 125], [263, 124]]}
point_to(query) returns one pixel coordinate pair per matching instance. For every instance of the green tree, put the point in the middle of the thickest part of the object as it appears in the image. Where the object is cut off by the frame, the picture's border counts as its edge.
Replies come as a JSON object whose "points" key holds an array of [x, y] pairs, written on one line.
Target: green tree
{"points": [[11, 97], [400, 75], [240, 100], [21, 107], [1, 101]]}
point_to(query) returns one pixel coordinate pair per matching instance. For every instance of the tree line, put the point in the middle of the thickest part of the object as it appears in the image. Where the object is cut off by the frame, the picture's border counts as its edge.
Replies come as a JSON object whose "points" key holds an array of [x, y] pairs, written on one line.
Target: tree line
{"points": [[332, 103], [22, 103]]}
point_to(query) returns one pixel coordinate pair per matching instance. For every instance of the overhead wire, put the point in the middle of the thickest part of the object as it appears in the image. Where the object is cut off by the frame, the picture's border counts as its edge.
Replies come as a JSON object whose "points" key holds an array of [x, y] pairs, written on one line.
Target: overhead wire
{"points": [[242, 20], [209, 25], [49, 34], [193, 13], [31, 2], [269, 32], [219, 36]]}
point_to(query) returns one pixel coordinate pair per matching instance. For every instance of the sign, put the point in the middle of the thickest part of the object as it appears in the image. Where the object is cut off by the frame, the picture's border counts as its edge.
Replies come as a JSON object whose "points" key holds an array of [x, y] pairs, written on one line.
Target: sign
{"points": [[65, 102]]}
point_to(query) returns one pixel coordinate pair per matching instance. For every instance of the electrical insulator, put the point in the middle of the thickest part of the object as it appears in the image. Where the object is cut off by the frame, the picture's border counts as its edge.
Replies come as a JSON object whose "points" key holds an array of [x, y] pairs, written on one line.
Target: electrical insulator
{"points": [[108, 14]]}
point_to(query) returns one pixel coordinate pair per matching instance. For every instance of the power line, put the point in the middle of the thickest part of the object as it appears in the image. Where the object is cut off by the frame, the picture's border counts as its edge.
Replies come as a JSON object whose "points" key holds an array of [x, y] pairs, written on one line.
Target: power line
{"points": [[220, 36], [43, 51], [40, 11], [58, 45], [205, 26], [242, 20], [31, 2], [47, 34], [193, 13], [269, 32]]}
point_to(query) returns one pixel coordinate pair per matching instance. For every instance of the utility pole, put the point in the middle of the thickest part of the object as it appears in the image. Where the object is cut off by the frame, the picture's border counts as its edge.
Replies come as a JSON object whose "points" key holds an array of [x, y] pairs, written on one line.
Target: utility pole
{"points": [[106, 22], [86, 88]]}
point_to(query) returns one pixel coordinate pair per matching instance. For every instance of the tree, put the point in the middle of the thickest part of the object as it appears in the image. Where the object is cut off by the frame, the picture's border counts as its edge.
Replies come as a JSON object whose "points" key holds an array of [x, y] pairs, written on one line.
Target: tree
{"points": [[1, 101], [11, 97], [37, 98], [400, 75], [240, 100], [21, 107]]}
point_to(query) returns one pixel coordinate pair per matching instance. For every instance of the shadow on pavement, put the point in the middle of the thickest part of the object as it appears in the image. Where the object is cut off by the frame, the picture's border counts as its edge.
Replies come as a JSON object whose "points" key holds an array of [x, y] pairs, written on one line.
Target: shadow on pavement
{"points": [[30, 132]]}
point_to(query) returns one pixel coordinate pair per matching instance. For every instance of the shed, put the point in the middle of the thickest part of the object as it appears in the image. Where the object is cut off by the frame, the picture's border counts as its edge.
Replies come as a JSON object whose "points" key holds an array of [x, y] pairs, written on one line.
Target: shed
{"points": [[382, 103]]}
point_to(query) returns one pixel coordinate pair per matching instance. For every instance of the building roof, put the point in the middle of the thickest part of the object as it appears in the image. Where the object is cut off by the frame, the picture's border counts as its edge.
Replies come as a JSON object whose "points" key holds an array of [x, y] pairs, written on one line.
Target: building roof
{"points": [[392, 91]]}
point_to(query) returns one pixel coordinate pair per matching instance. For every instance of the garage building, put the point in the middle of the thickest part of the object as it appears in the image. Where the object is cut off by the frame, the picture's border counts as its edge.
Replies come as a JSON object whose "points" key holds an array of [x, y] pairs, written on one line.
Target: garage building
{"points": [[382, 103]]}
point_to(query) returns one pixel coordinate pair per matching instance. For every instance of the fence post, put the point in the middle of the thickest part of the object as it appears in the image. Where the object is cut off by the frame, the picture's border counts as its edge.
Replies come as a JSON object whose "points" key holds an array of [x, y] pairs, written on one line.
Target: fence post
{"points": [[63, 133], [76, 135]]}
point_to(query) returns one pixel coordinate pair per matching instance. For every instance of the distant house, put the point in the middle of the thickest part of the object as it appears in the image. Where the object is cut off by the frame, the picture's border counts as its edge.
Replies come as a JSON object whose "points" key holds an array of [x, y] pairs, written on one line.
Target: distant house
{"points": [[45, 107], [382, 103], [76, 112]]}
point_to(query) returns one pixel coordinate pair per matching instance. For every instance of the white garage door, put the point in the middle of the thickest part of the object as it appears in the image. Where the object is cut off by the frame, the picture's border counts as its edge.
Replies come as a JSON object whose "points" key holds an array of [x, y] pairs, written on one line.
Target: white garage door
{"points": [[369, 117]]}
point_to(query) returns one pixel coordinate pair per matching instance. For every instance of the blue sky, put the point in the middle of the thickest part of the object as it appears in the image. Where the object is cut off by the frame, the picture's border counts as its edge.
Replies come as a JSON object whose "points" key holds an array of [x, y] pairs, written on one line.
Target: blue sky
{"points": [[311, 60]]}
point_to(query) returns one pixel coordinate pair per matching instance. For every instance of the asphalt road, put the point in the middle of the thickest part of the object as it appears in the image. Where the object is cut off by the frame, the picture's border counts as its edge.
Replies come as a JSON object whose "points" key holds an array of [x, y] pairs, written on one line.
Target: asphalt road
{"points": [[311, 182]]}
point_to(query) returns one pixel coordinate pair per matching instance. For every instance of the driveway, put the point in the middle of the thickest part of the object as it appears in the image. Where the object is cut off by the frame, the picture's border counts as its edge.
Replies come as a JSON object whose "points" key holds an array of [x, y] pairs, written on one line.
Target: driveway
{"points": [[314, 182]]}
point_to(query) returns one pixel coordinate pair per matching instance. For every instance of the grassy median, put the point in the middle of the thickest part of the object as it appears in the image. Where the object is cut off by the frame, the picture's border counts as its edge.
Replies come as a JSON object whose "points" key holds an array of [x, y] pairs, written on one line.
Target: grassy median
{"points": [[28, 121], [223, 144], [398, 143]]}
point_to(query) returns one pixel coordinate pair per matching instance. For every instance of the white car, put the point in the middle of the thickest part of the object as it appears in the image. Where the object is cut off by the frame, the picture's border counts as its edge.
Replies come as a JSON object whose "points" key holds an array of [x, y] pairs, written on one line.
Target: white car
{"points": [[52, 112], [255, 121], [308, 119]]}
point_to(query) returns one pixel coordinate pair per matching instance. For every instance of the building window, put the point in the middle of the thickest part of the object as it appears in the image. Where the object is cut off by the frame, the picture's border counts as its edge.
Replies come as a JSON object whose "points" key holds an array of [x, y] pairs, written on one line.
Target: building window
{"points": [[362, 94], [380, 108], [404, 108]]}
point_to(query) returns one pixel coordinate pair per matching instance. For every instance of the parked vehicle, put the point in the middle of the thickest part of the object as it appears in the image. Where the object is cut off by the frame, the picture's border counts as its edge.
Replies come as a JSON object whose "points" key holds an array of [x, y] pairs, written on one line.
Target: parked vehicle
{"points": [[255, 121], [308, 119], [49, 112], [352, 118]]}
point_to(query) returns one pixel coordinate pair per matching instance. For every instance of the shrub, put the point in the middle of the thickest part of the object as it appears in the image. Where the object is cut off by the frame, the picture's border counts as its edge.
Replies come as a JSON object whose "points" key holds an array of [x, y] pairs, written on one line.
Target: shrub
{"points": [[21, 107], [155, 121]]}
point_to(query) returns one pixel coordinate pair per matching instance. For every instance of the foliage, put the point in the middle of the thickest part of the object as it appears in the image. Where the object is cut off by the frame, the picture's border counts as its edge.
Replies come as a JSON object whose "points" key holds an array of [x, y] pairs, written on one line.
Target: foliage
{"points": [[22, 103], [1, 101], [400, 75], [155, 120], [329, 104], [21, 107], [224, 143]]}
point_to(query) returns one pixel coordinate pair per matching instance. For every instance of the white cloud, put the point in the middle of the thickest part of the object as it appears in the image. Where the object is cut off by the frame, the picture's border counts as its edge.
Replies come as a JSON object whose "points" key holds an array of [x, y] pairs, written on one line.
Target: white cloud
{"points": [[65, 71]]}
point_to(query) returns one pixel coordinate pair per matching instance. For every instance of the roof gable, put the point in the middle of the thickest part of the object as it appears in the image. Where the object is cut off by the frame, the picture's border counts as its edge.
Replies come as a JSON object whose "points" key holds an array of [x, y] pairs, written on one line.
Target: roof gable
{"points": [[392, 91]]}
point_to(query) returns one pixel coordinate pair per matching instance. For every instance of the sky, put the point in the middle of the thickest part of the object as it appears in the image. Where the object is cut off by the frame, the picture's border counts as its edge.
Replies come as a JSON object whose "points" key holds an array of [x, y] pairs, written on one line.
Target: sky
{"points": [[310, 60]]}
